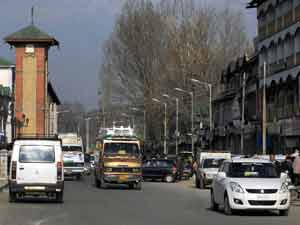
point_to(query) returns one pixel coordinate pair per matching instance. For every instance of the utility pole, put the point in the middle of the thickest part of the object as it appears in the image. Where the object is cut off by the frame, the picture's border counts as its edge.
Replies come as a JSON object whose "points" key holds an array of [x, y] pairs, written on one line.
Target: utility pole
{"points": [[177, 112], [165, 124], [192, 120], [243, 114], [144, 125], [177, 109], [264, 116], [210, 108]]}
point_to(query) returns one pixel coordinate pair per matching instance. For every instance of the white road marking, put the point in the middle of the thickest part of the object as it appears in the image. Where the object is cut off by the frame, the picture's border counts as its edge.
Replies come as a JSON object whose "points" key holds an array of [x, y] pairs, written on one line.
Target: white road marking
{"points": [[43, 221]]}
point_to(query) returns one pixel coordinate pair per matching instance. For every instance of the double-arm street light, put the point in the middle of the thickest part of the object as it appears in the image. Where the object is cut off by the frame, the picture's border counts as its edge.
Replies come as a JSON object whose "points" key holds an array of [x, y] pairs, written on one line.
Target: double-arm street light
{"points": [[144, 111], [209, 85], [192, 113], [177, 109], [165, 124]]}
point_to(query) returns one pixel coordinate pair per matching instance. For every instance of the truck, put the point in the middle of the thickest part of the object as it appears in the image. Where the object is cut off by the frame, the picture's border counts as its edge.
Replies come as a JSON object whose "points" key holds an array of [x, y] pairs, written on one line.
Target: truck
{"points": [[208, 164], [73, 154], [119, 158]]}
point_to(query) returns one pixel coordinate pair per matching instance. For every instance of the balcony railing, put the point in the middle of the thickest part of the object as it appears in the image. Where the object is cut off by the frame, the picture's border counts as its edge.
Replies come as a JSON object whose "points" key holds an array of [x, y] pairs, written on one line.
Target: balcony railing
{"points": [[271, 27], [297, 12], [281, 23], [262, 30], [297, 58], [290, 61], [288, 18], [275, 112]]}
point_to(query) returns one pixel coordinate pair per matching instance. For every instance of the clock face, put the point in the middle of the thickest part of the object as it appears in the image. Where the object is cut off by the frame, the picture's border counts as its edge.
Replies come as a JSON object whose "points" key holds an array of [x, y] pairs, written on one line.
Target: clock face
{"points": [[29, 49]]}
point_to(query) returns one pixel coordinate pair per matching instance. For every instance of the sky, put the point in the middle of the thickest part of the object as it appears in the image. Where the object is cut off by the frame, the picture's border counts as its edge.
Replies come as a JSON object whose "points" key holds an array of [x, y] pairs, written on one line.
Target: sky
{"points": [[81, 27]]}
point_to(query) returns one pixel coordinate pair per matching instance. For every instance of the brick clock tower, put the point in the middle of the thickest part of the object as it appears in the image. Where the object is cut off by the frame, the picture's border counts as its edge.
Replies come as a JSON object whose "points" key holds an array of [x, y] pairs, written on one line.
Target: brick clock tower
{"points": [[31, 79]]}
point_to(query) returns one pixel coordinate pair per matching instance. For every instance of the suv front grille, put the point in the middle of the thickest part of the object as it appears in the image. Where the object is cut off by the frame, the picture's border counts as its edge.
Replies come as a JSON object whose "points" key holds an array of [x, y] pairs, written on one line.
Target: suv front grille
{"points": [[266, 203], [262, 191], [122, 170]]}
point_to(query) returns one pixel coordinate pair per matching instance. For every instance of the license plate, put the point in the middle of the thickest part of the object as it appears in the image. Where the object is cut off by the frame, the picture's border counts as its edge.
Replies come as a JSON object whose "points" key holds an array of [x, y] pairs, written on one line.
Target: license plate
{"points": [[263, 197], [123, 178], [34, 188]]}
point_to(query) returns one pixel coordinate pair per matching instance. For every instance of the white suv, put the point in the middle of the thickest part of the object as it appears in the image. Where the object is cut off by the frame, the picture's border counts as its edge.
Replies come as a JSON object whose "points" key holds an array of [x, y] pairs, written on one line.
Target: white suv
{"points": [[36, 169], [250, 184]]}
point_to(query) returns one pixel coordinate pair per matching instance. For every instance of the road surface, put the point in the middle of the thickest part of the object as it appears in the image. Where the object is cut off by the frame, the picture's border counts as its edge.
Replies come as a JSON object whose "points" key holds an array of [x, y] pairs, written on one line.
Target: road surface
{"points": [[157, 203]]}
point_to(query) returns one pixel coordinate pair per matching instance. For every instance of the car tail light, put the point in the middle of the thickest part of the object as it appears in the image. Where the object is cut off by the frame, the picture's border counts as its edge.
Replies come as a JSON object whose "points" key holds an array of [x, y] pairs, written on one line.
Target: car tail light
{"points": [[174, 169], [59, 170], [14, 170]]}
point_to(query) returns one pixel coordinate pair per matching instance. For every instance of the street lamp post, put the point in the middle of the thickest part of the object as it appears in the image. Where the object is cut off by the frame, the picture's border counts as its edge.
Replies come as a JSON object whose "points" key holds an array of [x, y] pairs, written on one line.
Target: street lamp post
{"points": [[192, 113], [210, 100], [87, 133], [177, 109], [264, 113], [165, 124]]}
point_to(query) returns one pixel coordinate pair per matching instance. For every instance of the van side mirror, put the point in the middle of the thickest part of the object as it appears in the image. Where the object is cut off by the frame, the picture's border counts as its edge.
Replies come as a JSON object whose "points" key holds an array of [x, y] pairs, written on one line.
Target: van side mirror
{"points": [[221, 175]]}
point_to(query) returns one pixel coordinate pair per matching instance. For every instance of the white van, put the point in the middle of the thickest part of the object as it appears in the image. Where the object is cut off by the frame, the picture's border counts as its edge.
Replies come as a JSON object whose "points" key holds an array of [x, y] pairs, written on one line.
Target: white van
{"points": [[208, 164], [36, 169]]}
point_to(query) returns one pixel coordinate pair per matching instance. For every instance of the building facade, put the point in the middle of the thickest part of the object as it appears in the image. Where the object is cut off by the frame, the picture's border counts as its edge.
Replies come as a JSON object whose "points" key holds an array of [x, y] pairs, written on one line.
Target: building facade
{"points": [[7, 73], [228, 107], [279, 49], [31, 80]]}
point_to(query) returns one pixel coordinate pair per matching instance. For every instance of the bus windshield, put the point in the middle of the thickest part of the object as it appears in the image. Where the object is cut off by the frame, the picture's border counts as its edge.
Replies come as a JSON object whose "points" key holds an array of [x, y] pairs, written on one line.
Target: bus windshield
{"points": [[121, 149]]}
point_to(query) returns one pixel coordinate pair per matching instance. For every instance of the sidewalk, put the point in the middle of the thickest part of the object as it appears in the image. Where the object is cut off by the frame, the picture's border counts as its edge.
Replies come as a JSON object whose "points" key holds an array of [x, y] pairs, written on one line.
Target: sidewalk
{"points": [[3, 184]]}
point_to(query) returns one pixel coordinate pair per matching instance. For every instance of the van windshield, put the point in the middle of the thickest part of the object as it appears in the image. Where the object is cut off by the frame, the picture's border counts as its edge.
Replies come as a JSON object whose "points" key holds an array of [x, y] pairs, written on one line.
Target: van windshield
{"points": [[212, 163], [121, 149], [36, 154]]}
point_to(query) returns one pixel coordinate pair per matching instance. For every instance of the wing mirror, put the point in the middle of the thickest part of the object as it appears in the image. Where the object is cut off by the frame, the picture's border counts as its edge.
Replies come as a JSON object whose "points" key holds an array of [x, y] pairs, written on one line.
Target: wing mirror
{"points": [[221, 175], [283, 176]]}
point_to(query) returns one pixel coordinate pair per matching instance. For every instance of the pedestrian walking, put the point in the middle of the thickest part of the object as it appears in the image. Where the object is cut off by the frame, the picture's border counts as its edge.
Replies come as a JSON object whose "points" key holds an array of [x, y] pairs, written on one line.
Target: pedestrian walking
{"points": [[296, 170], [287, 167]]}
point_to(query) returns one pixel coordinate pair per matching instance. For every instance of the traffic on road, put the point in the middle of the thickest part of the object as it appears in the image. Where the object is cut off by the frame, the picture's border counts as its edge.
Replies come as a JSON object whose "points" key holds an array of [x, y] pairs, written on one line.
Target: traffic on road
{"points": [[235, 184]]}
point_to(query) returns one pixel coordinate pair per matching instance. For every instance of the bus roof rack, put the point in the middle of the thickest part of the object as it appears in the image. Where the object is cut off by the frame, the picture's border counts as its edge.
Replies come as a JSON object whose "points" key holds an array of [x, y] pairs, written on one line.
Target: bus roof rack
{"points": [[118, 132]]}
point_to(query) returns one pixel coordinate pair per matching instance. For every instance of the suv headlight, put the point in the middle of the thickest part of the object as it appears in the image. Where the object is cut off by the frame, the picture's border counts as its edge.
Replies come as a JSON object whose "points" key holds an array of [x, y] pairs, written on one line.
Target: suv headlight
{"points": [[284, 188], [235, 187]]}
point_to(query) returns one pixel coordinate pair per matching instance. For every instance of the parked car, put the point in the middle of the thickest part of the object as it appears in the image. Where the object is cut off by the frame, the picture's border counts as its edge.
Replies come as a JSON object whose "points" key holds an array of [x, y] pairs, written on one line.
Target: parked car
{"points": [[159, 169], [250, 184], [36, 169]]}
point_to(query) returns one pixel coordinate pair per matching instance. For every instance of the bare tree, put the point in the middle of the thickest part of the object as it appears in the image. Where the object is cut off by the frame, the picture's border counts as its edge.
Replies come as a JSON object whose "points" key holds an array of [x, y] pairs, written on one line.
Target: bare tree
{"points": [[156, 47]]}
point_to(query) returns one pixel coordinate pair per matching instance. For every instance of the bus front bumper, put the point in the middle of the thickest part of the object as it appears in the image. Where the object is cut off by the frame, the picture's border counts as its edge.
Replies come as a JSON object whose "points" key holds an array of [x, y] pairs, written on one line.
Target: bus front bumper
{"points": [[122, 178]]}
